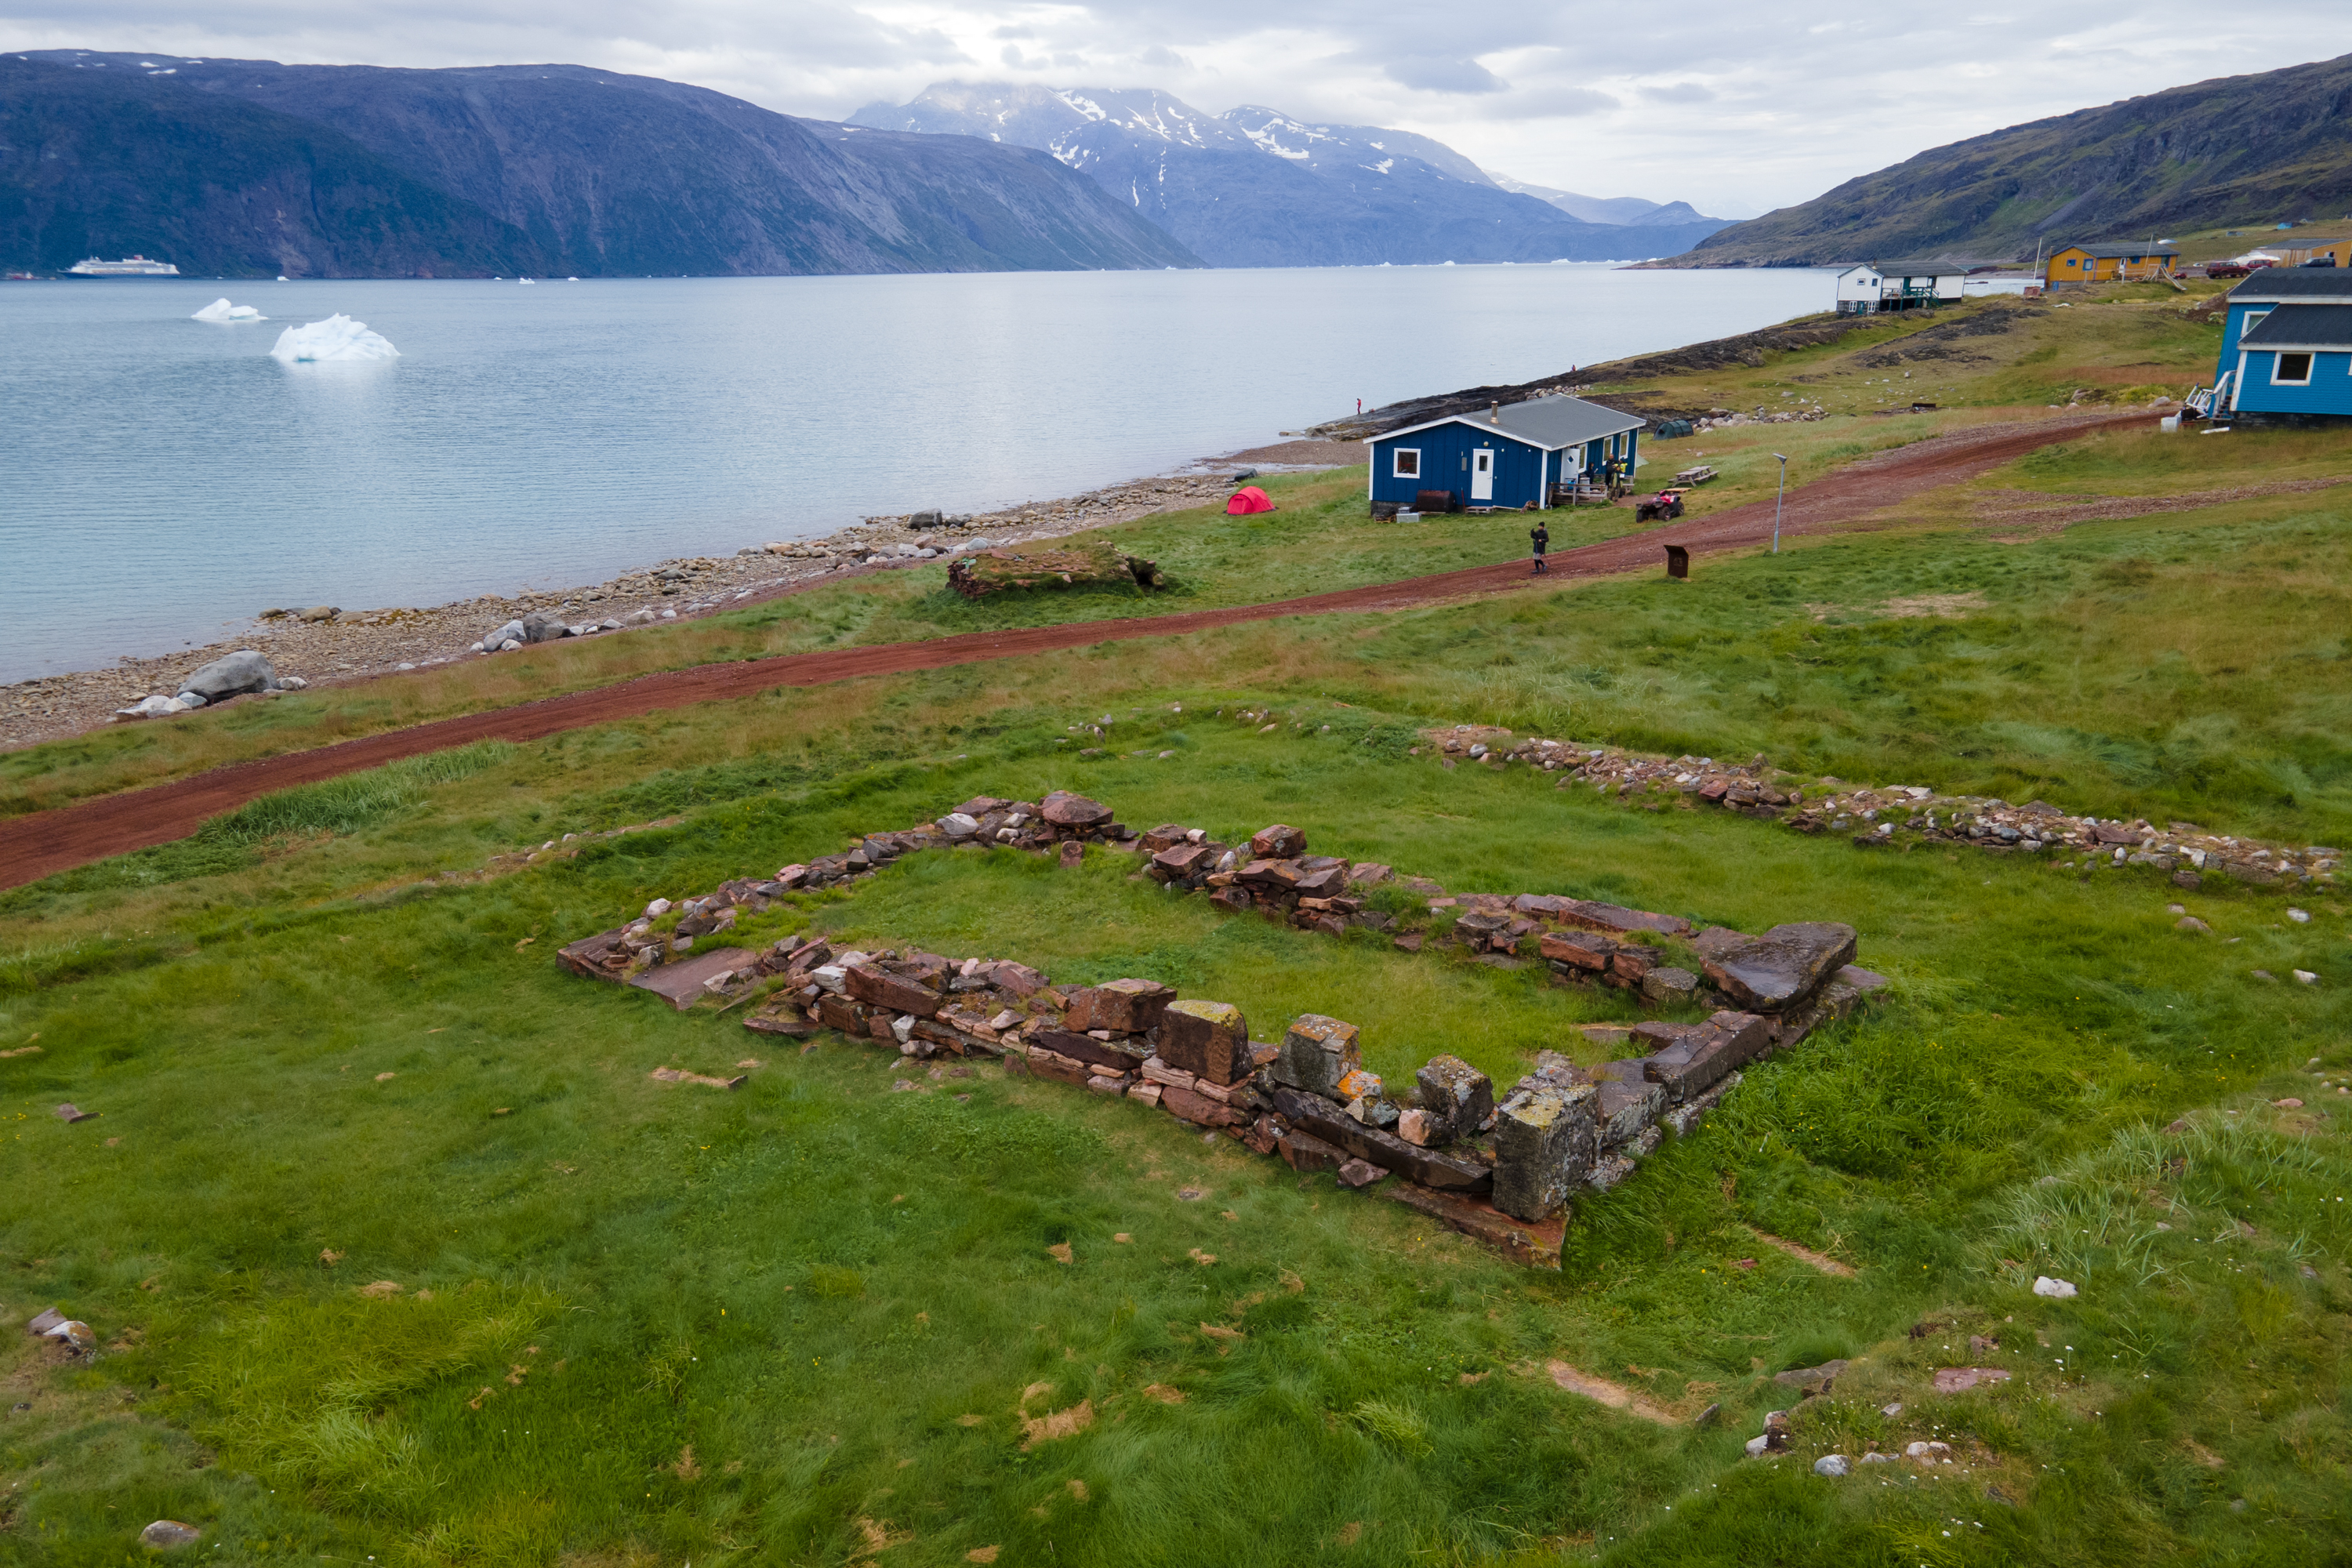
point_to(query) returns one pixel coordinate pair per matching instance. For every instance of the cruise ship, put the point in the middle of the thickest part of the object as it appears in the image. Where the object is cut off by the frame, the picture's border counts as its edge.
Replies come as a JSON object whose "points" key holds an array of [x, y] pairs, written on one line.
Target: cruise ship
{"points": [[129, 267]]}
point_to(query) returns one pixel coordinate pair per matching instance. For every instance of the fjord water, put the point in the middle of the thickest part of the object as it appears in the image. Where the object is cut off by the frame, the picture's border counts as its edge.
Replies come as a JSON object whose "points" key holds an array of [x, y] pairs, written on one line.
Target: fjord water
{"points": [[163, 480]]}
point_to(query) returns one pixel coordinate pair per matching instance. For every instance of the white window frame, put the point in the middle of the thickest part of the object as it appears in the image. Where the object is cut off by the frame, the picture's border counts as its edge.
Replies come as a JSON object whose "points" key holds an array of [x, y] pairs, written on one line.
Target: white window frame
{"points": [[2278, 364], [1397, 463]]}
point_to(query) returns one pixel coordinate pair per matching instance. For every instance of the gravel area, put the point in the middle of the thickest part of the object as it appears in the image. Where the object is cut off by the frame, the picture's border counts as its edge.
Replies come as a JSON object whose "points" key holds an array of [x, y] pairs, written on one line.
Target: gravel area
{"points": [[327, 647]]}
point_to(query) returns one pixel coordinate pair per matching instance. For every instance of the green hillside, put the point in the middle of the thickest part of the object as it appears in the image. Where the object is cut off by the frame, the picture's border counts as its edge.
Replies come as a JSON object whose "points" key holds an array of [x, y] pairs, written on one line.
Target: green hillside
{"points": [[2235, 151]]}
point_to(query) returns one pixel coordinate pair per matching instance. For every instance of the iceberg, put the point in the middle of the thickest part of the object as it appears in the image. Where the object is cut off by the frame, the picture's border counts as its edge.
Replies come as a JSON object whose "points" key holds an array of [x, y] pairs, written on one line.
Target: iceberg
{"points": [[222, 311], [338, 337]]}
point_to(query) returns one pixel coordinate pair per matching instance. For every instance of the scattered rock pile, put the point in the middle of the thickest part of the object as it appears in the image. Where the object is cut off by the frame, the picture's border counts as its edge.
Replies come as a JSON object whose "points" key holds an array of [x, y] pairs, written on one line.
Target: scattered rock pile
{"points": [[1895, 815], [1490, 1164], [243, 673]]}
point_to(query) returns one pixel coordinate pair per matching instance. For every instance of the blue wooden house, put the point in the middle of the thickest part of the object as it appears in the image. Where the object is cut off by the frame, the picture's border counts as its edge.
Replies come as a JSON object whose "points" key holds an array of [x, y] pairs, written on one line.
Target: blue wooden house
{"points": [[2286, 347], [1524, 454]]}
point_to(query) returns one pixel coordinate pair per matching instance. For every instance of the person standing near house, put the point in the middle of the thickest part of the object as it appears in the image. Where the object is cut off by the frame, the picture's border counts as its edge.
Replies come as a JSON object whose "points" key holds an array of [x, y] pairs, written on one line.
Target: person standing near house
{"points": [[1539, 538]]}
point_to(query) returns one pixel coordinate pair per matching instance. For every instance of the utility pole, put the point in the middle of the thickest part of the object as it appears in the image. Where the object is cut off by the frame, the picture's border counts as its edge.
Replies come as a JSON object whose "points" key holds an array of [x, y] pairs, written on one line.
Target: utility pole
{"points": [[1777, 500]]}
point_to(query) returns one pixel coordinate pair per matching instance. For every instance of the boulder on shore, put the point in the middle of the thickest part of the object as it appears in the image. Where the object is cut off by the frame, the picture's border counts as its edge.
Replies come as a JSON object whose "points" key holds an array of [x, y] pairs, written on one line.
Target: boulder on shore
{"points": [[232, 674], [979, 574]]}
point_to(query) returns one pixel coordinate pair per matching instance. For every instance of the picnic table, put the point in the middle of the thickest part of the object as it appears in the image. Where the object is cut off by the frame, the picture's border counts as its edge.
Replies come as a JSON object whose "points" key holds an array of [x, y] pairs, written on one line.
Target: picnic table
{"points": [[1697, 476]]}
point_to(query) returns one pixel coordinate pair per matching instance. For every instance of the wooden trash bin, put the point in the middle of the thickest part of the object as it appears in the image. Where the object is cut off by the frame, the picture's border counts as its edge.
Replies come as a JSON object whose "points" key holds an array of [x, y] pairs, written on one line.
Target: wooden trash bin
{"points": [[1677, 561]]}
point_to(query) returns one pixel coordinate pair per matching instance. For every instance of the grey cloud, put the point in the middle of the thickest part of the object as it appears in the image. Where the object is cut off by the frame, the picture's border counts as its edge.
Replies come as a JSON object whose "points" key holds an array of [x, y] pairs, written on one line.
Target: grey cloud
{"points": [[1444, 76], [1680, 92]]}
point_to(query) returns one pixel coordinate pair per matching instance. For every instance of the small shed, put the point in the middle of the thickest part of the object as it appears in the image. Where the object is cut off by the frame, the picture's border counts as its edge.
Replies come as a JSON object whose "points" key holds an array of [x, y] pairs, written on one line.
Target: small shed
{"points": [[2109, 263], [1511, 456], [2254, 302], [1872, 287], [2295, 361]]}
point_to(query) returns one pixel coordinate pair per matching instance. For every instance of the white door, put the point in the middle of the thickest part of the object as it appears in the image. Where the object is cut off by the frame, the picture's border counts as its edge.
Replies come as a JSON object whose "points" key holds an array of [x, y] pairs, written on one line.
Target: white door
{"points": [[1482, 474]]}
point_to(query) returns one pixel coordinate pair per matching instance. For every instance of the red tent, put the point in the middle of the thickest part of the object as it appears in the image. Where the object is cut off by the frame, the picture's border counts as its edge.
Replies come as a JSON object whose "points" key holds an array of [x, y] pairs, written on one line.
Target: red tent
{"points": [[1247, 499]]}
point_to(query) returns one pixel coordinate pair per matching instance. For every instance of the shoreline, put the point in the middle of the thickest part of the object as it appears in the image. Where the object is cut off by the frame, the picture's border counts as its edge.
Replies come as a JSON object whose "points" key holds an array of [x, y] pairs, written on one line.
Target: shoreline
{"points": [[363, 645]]}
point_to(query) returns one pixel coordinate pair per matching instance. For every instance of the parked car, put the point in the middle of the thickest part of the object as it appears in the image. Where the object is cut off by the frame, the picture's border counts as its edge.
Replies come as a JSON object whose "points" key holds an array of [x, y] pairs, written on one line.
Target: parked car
{"points": [[2228, 269], [2321, 261]]}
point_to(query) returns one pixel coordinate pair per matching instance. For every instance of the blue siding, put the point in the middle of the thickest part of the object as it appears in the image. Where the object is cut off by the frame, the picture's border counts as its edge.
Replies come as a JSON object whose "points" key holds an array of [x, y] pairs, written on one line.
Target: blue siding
{"points": [[2330, 391], [2234, 327], [1445, 452]]}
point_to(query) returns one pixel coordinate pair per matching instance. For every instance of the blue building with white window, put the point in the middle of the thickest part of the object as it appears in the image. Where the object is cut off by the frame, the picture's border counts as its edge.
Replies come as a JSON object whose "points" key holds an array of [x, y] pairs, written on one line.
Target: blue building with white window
{"points": [[1514, 456], [2286, 346]]}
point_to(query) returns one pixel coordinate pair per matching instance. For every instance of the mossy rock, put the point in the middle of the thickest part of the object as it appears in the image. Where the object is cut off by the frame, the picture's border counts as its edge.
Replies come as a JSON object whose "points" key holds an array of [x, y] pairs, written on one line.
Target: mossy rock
{"points": [[986, 572]]}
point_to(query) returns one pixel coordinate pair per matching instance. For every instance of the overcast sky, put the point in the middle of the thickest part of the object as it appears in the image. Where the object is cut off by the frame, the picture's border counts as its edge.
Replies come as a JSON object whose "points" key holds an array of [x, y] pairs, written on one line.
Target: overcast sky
{"points": [[1736, 105]]}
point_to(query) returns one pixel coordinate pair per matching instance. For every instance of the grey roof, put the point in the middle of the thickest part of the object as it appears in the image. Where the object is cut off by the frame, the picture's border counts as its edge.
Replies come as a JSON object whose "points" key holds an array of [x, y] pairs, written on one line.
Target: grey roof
{"points": [[2302, 326], [1915, 268], [2143, 247], [1551, 422], [2295, 283]]}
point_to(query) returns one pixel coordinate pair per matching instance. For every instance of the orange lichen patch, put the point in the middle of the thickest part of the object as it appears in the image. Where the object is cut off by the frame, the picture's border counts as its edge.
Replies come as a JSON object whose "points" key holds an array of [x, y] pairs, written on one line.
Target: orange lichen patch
{"points": [[1827, 1265], [1602, 1389], [1060, 1424]]}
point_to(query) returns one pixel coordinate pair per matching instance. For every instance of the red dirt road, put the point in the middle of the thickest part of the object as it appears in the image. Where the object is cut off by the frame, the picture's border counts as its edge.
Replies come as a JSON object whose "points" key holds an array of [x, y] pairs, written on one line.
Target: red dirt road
{"points": [[45, 842]]}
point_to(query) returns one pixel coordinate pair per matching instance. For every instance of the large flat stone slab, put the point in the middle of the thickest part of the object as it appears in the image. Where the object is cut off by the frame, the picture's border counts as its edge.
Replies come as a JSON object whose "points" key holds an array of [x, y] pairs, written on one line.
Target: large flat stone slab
{"points": [[1783, 968], [680, 983]]}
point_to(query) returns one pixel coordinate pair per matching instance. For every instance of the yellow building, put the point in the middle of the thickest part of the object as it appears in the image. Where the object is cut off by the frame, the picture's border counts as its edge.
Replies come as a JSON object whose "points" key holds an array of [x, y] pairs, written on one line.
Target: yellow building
{"points": [[2296, 254], [2107, 263]]}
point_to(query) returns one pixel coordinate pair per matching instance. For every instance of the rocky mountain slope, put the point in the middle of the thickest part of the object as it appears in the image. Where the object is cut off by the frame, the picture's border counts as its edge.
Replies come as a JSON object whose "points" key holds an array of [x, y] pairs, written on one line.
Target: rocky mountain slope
{"points": [[2251, 150], [245, 168], [1254, 188]]}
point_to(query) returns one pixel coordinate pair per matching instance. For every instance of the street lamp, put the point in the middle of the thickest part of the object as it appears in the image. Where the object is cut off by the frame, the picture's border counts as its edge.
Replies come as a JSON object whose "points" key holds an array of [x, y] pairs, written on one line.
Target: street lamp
{"points": [[1777, 500]]}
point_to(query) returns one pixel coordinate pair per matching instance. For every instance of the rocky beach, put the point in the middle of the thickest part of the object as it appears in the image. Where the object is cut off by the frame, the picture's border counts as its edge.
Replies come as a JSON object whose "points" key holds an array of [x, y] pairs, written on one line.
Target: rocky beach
{"points": [[325, 646]]}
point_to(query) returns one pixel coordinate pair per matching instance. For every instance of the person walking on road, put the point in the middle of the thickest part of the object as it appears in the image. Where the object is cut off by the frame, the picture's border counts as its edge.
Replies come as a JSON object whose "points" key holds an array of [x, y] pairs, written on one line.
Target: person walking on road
{"points": [[1540, 537]]}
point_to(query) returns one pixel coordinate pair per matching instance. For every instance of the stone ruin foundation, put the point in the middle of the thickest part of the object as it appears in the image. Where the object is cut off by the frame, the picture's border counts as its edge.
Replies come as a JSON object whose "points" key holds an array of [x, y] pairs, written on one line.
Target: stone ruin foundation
{"points": [[1504, 1166]]}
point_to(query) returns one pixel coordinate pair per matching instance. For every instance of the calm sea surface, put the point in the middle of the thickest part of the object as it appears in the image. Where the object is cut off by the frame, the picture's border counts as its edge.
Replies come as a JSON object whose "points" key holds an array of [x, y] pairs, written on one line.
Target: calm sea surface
{"points": [[163, 480]]}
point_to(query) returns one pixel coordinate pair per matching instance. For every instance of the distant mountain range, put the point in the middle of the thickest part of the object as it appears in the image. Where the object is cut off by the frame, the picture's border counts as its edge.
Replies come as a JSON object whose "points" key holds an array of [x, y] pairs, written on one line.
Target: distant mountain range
{"points": [[1254, 188], [245, 168], [1619, 210], [2248, 150]]}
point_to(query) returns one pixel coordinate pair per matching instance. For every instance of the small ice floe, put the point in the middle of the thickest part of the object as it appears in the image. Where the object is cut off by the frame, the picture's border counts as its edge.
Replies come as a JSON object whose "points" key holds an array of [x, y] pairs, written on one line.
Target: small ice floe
{"points": [[526, 282], [338, 339], [221, 309]]}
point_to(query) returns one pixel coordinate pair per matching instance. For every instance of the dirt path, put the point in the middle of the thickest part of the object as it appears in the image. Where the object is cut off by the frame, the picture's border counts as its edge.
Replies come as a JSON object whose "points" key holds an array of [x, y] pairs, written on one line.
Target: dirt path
{"points": [[1851, 499]]}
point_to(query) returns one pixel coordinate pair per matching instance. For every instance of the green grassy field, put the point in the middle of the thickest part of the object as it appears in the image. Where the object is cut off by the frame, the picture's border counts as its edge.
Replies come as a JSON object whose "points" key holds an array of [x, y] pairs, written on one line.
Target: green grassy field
{"points": [[809, 1323], [812, 1283]]}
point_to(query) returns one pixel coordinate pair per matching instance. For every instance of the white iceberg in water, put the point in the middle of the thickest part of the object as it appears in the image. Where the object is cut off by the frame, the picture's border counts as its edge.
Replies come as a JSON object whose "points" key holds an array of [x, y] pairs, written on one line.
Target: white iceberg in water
{"points": [[336, 337], [222, 311]]}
